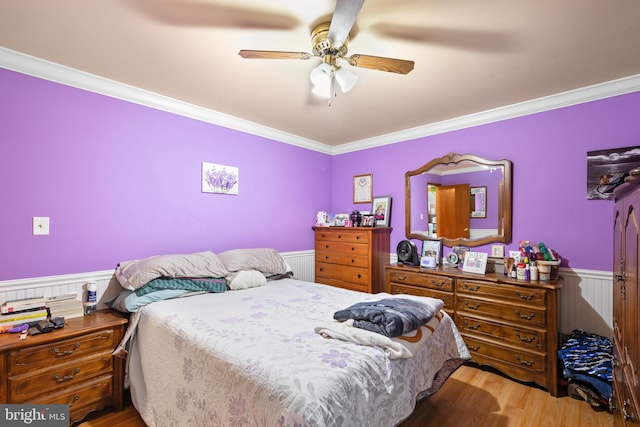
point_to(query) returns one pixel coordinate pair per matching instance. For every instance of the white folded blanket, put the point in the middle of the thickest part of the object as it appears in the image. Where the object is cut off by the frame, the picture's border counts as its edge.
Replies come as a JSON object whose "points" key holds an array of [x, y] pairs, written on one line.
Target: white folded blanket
{"points": [[402, 347]]}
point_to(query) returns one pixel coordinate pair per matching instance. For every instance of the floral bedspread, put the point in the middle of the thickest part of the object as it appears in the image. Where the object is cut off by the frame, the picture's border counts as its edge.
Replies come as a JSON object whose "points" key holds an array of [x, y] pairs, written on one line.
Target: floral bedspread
{"points": [[252, 358]]}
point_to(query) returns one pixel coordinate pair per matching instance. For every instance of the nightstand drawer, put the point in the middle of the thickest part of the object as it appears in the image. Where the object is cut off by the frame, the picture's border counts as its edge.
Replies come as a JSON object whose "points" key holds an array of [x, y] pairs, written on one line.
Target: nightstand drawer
{"points": [[24, 388], [41, 356]]}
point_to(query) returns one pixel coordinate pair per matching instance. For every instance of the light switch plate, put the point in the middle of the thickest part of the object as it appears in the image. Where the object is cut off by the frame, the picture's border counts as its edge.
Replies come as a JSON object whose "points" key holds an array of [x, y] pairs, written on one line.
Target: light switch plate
{"points": [[40, 225]]}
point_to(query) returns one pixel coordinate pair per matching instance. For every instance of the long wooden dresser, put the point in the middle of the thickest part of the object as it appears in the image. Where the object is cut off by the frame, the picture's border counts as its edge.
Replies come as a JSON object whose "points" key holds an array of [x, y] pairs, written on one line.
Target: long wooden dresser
{"points": [[352, 257], [508, 324]]}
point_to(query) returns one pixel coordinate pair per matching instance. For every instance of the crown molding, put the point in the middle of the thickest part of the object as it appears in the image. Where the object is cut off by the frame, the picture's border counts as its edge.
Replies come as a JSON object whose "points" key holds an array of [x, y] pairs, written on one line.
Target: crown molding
{"points": [[564, 99], [47, 70]]}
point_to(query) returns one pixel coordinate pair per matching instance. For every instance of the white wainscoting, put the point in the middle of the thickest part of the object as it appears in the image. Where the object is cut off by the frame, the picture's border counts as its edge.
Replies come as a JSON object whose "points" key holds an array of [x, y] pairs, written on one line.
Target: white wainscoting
{"points": [[585, 298]]}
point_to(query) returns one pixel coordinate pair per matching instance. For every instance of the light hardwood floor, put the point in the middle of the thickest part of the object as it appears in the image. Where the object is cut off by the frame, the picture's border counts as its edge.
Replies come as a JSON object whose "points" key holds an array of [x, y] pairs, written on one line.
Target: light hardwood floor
{"points": [[470, 397]]}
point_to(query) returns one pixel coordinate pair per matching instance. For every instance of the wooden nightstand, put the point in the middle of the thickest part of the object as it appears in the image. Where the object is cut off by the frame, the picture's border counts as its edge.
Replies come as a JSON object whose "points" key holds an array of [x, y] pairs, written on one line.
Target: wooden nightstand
{"points": [[72, 365]]}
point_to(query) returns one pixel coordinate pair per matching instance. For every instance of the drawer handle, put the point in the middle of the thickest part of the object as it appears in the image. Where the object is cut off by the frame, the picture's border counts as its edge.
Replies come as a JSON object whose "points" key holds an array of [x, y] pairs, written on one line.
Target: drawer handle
{"points": [[473, 327], [66, 378], [326, 257], [353, 261], [74, 400], [523, 339], [474, 347], [339, 236], [472, 289], [438, 284], [526, 297], [472, 307], [524, 362], [359, 276], [524, 316], [398, 277], [58, 353]]}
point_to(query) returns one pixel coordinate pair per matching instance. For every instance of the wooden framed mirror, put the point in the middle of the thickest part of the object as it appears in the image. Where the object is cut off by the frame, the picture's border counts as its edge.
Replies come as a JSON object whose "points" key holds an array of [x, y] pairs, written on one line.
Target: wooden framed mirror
{"points": [[463, 199]]}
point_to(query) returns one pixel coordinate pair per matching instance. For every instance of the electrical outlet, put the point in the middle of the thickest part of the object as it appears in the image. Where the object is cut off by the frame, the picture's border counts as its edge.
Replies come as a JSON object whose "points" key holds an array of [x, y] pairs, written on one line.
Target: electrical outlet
{"points": [[40, 225]]}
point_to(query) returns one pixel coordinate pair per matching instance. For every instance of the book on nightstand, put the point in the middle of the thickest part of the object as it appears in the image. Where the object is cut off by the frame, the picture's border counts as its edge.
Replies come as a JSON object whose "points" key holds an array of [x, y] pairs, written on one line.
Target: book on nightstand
{"points": [[23, 317], [65, 305], [20, 305]]}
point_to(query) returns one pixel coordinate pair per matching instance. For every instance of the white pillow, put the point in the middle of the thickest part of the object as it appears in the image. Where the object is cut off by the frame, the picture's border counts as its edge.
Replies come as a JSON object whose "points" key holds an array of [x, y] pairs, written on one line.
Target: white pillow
{"points": [[247, 279]]}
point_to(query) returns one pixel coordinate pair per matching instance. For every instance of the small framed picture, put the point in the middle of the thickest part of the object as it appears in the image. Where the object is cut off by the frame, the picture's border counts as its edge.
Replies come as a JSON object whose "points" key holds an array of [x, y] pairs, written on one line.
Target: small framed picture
{"points": [[497, 251], [479, 202], [432, 248], [368, 220], [381, 208], [341, 220], [362, 188], [475, 262]]}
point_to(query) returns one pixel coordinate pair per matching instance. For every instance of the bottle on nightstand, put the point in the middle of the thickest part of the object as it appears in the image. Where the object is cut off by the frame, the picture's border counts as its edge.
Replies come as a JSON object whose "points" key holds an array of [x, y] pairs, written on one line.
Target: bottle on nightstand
{"points": [[91, 305]]}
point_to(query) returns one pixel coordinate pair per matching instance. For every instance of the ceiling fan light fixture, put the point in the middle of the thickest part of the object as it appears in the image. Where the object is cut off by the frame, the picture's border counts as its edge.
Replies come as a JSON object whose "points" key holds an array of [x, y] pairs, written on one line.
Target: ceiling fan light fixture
{"points": [[324, 88], [321, 74], [346, 79]]}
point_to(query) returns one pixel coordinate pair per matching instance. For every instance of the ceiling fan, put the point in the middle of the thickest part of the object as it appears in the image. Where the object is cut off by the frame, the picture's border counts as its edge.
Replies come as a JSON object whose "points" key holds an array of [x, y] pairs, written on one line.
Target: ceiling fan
{"points": [[330, 42]]}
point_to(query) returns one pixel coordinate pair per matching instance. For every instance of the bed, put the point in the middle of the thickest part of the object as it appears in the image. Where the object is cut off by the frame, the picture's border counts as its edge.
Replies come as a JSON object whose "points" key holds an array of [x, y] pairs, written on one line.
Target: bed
{"points": [[253, 356]]}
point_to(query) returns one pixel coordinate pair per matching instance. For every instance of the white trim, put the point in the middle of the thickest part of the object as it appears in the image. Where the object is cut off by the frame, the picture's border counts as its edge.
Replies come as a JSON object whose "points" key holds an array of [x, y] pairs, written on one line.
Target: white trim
{"points": [[47, 281], [51, 71], [47, 70], [564, 99]]}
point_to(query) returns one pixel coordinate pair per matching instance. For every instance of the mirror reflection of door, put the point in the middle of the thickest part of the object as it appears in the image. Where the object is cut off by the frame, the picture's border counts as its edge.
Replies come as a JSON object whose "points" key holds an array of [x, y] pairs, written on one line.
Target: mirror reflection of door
{"points": [[453, 205]]}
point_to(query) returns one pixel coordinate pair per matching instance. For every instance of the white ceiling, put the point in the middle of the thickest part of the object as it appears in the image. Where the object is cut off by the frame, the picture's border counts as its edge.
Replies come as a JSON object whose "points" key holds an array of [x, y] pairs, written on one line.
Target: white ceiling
{"points": [[470, 56]]}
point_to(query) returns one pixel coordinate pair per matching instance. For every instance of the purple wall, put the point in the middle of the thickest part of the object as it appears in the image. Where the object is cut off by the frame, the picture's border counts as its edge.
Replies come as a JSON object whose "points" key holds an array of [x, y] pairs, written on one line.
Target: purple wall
{"points": [[121, 181], [549, 155]]}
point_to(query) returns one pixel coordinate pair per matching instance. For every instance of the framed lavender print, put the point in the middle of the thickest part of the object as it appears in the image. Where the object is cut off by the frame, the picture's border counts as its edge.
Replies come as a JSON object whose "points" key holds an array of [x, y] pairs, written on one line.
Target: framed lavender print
{"points": [[219, 179]]}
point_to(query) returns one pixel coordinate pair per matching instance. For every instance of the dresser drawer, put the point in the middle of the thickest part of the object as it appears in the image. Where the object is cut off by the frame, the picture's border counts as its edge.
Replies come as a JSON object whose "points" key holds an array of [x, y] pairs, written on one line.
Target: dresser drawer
{"points": [[521, 295], [25, 387], [523, 315], [446, 297], [337, 235], [432, 281], [33, 358], [531, 339], [347, 259], [341, 273], [512, 356]]}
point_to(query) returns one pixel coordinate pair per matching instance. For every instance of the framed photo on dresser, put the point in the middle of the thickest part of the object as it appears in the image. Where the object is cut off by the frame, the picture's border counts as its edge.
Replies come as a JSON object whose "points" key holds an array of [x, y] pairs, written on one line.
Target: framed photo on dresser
{"points": [[381, 208]]}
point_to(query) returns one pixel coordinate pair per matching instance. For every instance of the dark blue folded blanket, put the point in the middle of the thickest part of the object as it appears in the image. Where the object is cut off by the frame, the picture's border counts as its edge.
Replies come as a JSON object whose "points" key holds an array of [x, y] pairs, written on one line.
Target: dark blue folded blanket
{"points": [[391, 317]]}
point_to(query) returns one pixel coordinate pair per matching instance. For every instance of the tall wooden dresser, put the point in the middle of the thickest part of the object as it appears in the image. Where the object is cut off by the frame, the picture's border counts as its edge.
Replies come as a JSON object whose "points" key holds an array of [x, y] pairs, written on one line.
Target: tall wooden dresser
{"points": [[508, 324], [352, 257], [626, 325]]}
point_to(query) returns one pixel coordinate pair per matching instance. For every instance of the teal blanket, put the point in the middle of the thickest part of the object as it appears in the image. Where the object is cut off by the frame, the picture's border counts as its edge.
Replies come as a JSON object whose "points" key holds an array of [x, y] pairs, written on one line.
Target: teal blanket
{"points": [[198, 284]]}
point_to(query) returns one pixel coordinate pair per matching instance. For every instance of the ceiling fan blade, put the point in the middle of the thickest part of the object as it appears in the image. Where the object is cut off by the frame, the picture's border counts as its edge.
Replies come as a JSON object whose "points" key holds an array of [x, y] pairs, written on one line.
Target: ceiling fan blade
{"points": [[343, 19], [392, 65], [207, 14], [478, 40], [273, 54]]}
